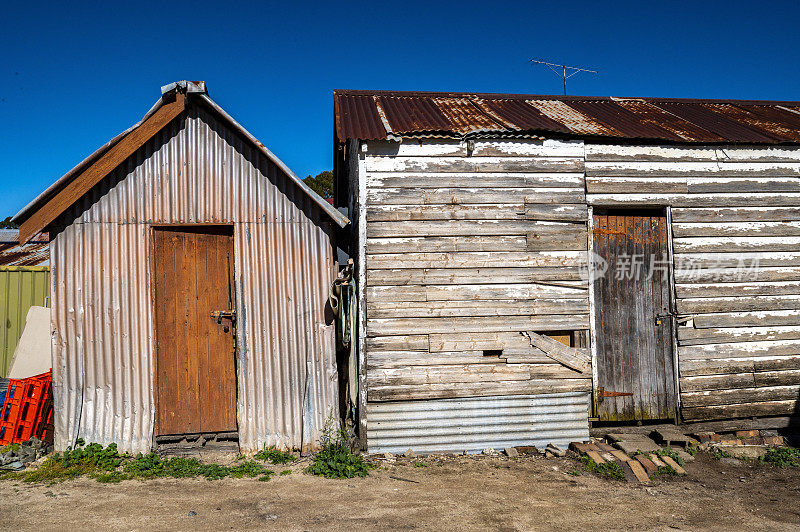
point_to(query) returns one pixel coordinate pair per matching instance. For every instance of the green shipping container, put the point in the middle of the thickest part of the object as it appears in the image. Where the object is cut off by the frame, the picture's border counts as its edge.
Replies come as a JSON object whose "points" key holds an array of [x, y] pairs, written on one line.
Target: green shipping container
{"points": [[21, 287]]}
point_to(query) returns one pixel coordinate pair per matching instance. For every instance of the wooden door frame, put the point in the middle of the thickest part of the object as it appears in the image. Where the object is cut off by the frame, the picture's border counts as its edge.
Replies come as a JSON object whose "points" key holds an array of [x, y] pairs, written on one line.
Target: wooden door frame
{"points": [[593, 307], [152, 227]]}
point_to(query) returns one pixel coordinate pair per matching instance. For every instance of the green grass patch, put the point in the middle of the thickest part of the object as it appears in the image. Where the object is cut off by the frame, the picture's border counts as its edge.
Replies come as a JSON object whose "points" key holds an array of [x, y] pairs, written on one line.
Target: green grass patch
{"points": [[662, 471], [10, 447], [107, 465], [716, 454], [610, 470], [672, 453], [274, 456], [782, 457]]}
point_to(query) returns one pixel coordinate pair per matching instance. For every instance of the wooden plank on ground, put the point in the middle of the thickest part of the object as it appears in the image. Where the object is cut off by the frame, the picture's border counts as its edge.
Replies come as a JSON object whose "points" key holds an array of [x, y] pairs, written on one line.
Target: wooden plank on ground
{"points": [[620, 455], [674, 465], [638, 470], [648, 466], [594, 455]]}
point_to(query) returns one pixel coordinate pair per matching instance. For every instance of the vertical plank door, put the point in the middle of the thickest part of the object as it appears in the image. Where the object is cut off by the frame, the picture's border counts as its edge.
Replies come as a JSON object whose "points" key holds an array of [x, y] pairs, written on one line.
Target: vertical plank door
{"points": [[195, 364], [635, 370]]}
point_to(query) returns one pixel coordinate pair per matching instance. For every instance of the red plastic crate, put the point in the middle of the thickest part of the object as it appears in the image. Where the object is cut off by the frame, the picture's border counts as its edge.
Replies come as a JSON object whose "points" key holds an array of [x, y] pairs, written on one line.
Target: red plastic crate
{"points": [[28, 405]]}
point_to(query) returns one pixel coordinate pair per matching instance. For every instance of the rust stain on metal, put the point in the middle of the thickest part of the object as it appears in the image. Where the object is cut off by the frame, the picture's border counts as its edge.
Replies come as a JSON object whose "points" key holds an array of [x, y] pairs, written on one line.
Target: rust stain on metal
{"points": [[371, 115], [34, 253], [575, 120], [677, 126], [465, 116]]}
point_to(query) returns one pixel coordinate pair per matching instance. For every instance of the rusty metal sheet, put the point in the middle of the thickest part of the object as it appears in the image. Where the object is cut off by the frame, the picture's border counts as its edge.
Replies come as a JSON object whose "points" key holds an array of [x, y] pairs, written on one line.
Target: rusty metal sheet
{"points": [[34, 253], [407, 115], [521, 116], [465, 117], [577, 122], [386, 114], [769, 120], [357, 117], [622, 120], [648, 113], [713, 118]]}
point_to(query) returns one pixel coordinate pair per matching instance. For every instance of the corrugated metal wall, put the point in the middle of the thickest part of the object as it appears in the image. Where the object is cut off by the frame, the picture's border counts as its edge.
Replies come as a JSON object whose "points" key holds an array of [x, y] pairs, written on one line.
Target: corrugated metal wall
{"points": [[477, 423], [195, 171], [21, 287]]}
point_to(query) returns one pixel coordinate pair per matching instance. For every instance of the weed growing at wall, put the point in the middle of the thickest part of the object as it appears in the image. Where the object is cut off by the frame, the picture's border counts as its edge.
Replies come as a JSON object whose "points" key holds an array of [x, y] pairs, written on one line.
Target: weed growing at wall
{"points": [[274, 456], [336, 460]]}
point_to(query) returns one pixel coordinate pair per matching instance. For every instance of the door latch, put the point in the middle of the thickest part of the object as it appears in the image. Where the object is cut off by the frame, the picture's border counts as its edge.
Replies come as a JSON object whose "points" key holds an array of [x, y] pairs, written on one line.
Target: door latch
{"points": [[219, 315]]}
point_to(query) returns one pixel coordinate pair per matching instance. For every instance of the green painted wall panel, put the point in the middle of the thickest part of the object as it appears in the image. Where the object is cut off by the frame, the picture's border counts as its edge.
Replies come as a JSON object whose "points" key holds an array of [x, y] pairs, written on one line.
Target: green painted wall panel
{"points": [[21, 287]]}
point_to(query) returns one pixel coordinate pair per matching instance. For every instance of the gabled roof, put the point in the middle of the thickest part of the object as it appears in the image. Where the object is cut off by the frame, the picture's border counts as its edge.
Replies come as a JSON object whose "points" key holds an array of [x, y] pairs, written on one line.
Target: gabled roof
{"points": [[368, 115], [43, 210]]}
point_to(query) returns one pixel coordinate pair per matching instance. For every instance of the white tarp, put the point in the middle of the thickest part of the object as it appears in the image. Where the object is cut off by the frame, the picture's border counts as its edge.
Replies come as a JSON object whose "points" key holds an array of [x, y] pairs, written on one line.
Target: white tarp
{"points": [[32, 355]]}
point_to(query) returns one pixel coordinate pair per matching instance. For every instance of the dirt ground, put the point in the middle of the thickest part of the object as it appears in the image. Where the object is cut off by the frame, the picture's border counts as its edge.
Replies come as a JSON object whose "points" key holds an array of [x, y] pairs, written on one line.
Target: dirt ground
{"points": [[530, 493]]}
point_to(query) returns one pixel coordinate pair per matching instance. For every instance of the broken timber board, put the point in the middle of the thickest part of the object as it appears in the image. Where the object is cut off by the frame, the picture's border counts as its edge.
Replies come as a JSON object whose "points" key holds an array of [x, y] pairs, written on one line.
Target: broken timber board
{"points": [[583, 448], [638, 470], [594, 455], [619, 455], [573, 357], [649, 466], [674, 465]]}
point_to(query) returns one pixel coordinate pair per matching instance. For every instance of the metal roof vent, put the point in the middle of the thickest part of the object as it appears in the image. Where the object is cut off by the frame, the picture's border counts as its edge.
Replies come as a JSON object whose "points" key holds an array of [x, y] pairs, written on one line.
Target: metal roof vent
{"points": [[188, 86]]}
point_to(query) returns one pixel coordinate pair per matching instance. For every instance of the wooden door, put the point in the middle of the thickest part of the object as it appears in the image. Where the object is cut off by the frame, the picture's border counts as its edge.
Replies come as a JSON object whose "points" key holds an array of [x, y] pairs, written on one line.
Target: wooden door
{"points": [[634, 328], [195, 370]]}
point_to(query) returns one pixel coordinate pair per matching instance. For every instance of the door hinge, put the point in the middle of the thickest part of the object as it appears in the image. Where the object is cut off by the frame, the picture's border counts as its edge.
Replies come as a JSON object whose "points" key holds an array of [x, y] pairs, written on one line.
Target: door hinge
{"points": [[680, 318], [602, 393]]}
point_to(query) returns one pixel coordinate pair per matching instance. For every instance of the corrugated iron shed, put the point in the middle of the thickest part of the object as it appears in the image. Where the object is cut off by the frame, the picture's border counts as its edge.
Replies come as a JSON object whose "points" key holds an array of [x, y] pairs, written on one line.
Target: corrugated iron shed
{"points": [[199, 168], [370, 115], [34, 253]]}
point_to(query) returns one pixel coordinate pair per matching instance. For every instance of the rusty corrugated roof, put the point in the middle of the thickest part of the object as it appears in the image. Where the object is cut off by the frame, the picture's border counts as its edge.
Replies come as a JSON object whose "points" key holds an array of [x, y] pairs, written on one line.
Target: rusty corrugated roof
{"points": [[371, 115], [34, 253]]}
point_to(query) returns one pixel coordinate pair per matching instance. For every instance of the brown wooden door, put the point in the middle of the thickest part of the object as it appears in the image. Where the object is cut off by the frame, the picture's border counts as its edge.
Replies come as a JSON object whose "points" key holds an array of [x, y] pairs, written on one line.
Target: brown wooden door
{"points": [[635, 370], [195, 370]]}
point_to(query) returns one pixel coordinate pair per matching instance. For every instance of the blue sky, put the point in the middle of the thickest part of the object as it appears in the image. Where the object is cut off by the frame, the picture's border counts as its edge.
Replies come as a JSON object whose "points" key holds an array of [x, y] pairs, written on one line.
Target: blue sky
{"points": [[73, 76]]}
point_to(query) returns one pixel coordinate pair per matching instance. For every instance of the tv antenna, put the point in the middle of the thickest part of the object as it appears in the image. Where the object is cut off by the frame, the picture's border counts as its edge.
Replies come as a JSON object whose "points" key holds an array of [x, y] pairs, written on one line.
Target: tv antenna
{"points": [[565, 71]]}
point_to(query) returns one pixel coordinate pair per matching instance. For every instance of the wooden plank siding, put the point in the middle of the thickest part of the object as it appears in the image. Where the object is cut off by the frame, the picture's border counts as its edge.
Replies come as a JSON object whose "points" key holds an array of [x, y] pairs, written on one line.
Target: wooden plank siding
{"points": [[466, 248], [736, 242], [464, 252]]}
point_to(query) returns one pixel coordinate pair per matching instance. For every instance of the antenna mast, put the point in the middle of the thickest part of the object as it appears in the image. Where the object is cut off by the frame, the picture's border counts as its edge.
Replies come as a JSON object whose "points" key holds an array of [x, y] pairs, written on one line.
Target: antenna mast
{"points": [[563, 73]]}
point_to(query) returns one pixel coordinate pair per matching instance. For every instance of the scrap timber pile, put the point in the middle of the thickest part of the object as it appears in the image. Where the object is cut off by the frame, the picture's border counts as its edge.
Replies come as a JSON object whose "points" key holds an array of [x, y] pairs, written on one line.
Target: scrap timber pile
{"points": [[643, 454], [645, 459]]}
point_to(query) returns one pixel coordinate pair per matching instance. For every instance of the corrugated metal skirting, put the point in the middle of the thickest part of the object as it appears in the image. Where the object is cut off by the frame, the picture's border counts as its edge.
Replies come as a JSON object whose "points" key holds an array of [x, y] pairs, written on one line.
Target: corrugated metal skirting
{"points": [[477, 423], [195, 171]]}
